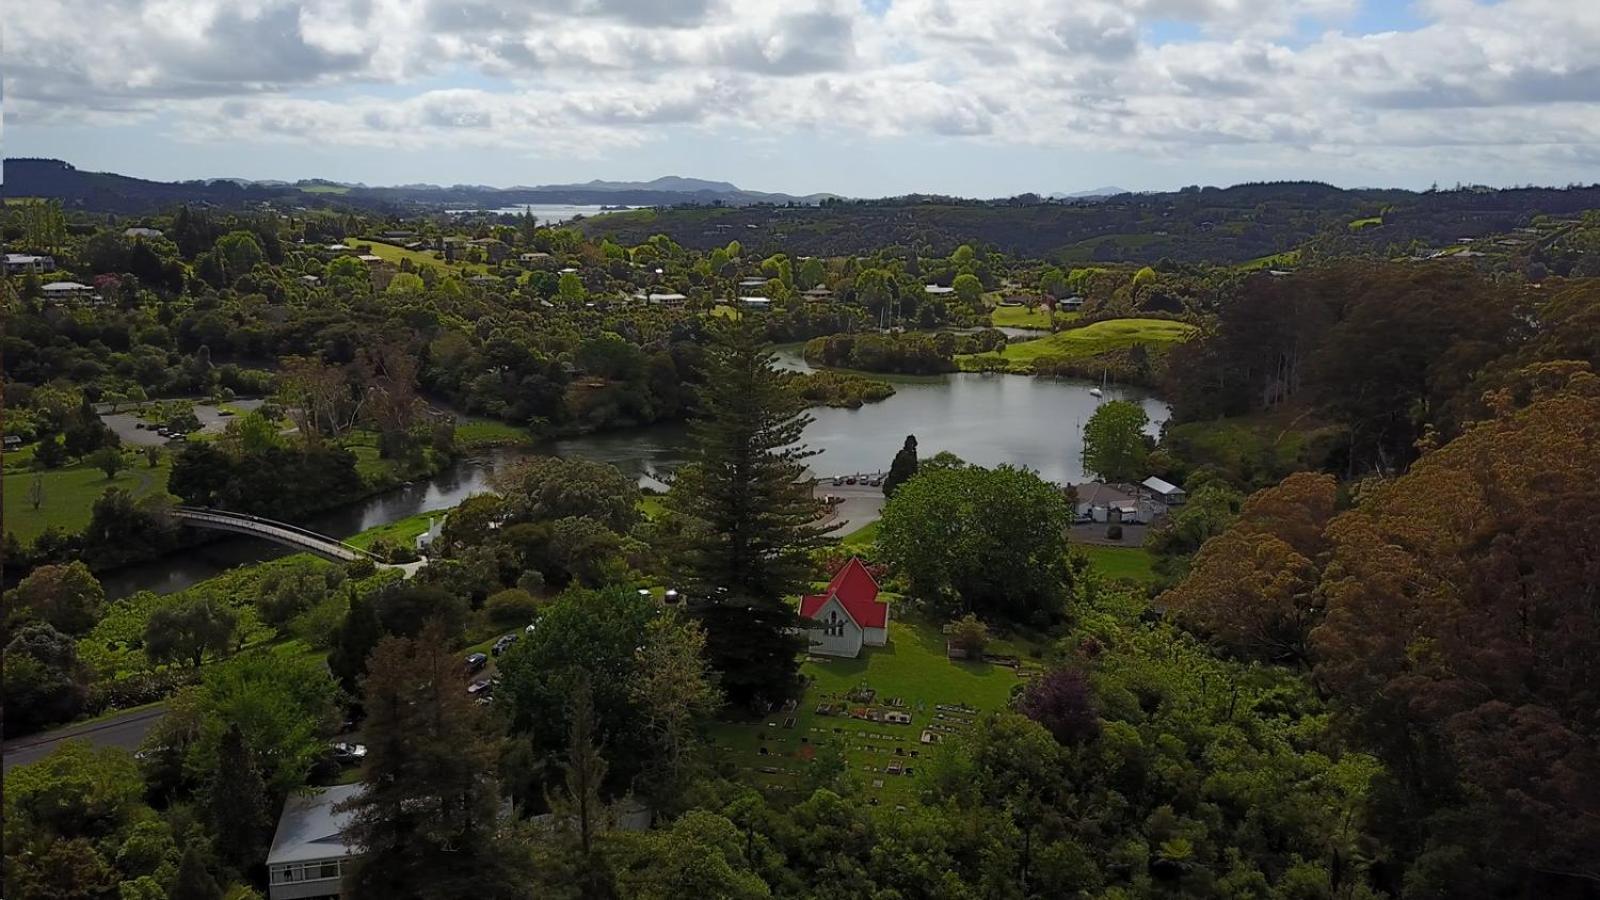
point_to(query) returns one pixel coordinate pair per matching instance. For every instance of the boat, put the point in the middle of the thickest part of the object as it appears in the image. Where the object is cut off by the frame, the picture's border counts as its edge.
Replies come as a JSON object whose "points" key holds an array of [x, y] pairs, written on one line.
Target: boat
{"points": [[1099, 391]]}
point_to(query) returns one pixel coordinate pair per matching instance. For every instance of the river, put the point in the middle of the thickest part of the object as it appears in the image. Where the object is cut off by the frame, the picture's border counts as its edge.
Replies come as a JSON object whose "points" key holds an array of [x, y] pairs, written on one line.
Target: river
{"points": [[984, 419]]}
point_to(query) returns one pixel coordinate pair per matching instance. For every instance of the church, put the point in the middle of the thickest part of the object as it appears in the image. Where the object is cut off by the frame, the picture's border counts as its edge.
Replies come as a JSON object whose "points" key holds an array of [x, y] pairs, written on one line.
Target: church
{"points": [[847, 614]]}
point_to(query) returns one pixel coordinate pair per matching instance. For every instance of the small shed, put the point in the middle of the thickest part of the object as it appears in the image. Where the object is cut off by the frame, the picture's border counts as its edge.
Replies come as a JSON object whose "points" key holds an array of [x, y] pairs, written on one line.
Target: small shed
{"points": [[1166, 492]]}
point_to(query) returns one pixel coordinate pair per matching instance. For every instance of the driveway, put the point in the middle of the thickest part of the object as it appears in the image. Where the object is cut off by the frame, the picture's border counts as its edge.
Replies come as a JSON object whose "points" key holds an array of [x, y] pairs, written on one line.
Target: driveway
{"points": [[126, 731], [861, 505]]}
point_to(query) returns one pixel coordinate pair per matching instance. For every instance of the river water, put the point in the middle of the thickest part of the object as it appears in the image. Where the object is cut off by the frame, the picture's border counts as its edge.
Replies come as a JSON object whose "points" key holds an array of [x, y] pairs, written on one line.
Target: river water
{"points": [[984, 419]]}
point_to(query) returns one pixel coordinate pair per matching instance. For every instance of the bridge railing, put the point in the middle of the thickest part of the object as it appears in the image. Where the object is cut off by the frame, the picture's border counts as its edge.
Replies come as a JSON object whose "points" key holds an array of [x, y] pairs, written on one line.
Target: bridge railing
{"points": [[247, 522]]}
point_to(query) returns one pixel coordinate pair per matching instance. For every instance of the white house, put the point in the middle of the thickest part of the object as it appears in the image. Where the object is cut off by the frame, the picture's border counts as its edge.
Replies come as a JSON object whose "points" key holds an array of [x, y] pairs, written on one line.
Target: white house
{"points": [[309, 850], [435, 529], [141, 232], [937, 289], [756, 303], [847, 615], [1111, 504], [23, 263]]}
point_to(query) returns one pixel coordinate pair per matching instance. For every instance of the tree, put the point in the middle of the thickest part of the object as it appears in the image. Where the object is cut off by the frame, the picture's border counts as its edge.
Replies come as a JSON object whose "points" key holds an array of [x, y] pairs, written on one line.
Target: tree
{"points": [[354, 642], [579, 808], [968, 288], [108, 460], [543, 488], [902, 468], [194, 881], [968, 633], [675, 693], [44, 682], [152, 456], [1062, 701], [745, 518], [36, 491], [426, 818], [282, 705], [986, 541], [1114, 445], [570, 290], [189, 630], [1253, 587], [700, 855], [66, 597], [236, 804], [1460, 634]]}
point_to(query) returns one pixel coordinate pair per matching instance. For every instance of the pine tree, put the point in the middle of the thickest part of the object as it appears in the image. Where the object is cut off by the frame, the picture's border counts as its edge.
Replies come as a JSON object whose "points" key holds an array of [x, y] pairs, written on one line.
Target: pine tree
{"points": [[903, 467], [425, 820], [194, 881], [746, 518], [236, 802], [580, 808], [354, 641]]}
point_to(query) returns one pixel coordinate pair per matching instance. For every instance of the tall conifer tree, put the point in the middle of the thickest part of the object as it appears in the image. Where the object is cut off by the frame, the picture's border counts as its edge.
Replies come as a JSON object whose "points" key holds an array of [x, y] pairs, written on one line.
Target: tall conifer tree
{"points": [[747, 518]]}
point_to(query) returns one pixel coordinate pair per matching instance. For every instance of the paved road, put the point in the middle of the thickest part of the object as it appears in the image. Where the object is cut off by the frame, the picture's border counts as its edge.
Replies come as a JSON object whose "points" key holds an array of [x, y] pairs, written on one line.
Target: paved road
{"points": [[126, 731], [862, 505]]}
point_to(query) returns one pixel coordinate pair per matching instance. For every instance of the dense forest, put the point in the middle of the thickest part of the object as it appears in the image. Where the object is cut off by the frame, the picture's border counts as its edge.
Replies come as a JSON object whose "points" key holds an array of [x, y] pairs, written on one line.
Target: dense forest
{"points": [[1358, 662]]}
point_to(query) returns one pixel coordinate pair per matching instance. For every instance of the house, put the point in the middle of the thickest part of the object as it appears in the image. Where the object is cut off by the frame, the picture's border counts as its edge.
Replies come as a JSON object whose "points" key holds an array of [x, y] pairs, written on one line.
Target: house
{"points": [[370, 259], [847, 614], [1070, 304], [56, 290], [435, 529], [752, 282], [937, 289], [309, 849], [1168, 493], [818, 293], [23, 263], [669, 299], [141, 232], [1111, 504], [759, 304], [13, 441]]}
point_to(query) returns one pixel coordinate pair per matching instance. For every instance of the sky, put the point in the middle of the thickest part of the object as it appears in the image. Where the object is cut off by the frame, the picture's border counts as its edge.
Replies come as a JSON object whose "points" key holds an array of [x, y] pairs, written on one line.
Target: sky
{"points": [[856, 97]]}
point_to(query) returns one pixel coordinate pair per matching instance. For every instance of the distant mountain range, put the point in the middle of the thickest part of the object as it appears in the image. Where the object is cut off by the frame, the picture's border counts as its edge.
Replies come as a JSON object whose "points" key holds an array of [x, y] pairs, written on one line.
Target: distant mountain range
{"points": [[111, 192], [1096, 194]]}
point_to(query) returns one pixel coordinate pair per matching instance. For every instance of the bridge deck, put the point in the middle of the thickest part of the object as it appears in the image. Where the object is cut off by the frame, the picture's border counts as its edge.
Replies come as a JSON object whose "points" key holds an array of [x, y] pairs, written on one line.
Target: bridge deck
{"points": [[279, 532]]}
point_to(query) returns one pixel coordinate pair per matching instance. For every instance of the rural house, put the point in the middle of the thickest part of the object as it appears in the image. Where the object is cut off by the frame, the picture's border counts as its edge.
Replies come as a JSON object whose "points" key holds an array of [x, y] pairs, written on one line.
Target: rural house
{"points": [[847, 614], [309, 849]]}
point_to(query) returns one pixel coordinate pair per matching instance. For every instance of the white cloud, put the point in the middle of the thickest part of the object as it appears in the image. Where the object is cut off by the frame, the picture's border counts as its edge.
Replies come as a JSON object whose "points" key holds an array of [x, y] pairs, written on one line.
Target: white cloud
{"points": [[1517, 79]]}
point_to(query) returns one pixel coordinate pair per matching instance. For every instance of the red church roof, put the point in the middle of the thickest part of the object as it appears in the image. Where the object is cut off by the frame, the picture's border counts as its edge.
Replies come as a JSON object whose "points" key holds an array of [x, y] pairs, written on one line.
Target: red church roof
{"points": [[857, 591]]}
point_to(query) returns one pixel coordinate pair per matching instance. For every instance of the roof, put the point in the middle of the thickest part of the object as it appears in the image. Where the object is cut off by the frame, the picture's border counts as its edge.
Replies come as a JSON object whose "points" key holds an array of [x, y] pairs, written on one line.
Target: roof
{"points": [[938, 289], [66, 286], [1095, 493], [857, 592], [1161, 487], [309, 828]]}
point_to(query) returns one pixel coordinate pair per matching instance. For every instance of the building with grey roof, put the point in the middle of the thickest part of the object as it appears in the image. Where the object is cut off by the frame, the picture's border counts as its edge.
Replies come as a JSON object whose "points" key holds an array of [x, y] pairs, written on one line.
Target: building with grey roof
{"points": [[309, 850]]}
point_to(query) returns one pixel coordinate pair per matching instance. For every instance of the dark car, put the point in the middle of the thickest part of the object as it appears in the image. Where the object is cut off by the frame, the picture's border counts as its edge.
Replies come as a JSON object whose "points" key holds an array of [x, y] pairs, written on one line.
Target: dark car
{"points": [[476, 662], [503, 643]]}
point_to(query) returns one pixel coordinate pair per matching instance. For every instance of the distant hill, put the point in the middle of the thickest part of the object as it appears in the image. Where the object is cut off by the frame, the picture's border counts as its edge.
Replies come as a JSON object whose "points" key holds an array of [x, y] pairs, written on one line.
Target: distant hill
{"points": [[110, 192], [1095, 194]]}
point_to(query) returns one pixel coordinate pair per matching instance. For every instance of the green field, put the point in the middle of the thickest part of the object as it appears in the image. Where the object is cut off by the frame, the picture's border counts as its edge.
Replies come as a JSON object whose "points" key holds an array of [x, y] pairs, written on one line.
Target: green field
{"points": [[1120, 563], [912, 669], [865, 536], [477, 431], [1027, 317], [70, 493], [1111, 334], [401, 531], [1369, 222], [394, 254], [1275, 261], [325, 189]]}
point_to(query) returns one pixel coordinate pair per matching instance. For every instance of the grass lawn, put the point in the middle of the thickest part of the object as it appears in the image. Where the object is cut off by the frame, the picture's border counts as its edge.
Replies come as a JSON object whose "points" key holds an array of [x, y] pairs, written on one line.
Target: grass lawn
{"points": [[865, 536], [70, 493], [393, 253], [325, 189], [1026, 317], [401, 531], [1275, 261], [1111, 334], [477, 431], [913, 670], [1130, 563], [652, 506], [1368, 222]]}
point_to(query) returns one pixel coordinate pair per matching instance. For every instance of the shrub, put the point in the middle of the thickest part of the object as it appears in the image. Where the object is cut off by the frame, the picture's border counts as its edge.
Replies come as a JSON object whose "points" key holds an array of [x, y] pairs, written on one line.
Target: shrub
{"points": [[1113, 532], [512, 606], [361, 567]]}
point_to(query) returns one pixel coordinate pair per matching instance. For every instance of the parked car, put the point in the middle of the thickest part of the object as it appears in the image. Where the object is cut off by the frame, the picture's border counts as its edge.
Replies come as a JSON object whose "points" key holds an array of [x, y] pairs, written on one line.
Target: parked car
{"points": [[483, 687], [349, 754], [838, 480], [875, 481], [164, 431], [850, 480], [476, 662], [503, 643]]}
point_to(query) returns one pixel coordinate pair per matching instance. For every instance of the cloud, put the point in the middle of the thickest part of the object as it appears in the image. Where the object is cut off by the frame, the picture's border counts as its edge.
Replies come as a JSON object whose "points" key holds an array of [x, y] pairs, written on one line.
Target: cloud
{"points": [[1262, 77]]}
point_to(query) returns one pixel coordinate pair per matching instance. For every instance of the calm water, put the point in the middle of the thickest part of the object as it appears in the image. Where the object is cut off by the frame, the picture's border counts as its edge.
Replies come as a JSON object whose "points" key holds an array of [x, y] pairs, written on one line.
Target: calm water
{"points": [[545, 213], [984, 419]]}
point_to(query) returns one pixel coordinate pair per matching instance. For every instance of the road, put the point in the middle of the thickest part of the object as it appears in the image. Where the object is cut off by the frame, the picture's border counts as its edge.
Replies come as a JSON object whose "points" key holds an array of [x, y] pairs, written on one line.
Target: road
{"points": [[126, 731], [861, 505]]}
